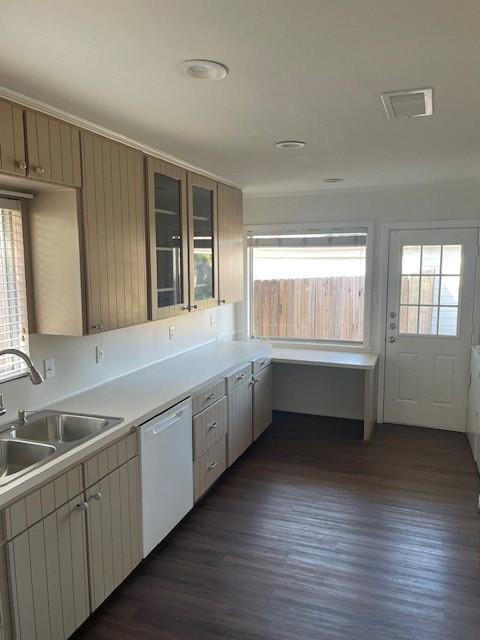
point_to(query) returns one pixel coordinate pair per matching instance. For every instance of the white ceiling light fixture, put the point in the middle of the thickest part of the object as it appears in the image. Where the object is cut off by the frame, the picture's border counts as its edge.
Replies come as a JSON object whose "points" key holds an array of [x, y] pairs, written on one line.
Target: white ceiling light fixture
{"points": [[333, 180], [203, 69], [412, 103], [290, 144]]}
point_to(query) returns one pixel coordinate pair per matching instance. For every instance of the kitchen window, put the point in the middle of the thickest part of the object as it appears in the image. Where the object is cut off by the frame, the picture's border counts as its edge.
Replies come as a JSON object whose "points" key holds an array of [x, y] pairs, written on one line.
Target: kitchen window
{"points": [[308, 285], [13, 289]]}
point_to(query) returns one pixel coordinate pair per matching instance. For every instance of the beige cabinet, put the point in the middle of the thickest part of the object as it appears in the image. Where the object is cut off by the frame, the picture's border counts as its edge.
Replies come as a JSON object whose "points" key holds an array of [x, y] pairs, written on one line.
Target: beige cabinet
{"points": [[48, 575], [113, 523], [114, 226], [53, 150], [168, 239], [230, 244], [262, 401], [12, 141], [240, 416], [203, 241], [208, 467]]}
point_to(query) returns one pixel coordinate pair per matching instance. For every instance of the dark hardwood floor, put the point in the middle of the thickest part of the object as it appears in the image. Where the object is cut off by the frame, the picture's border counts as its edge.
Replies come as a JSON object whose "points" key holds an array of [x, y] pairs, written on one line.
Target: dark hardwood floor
{"points": [[313, 535]]}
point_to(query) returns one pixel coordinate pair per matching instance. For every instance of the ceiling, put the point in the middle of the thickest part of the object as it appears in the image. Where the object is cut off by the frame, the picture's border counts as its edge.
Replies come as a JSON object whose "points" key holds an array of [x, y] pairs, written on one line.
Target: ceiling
{"points": [[303, 69]]}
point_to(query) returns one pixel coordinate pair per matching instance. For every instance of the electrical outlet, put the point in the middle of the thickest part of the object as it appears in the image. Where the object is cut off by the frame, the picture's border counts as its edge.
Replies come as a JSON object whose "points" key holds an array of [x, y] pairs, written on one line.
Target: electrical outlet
{"points": [[49, 367], [213, 320], [99, 354], [171, 332]]}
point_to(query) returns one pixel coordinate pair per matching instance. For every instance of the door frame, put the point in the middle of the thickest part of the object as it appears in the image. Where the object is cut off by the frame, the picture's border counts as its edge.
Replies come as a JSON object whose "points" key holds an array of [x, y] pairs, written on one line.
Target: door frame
{"points": [[383, 290]]}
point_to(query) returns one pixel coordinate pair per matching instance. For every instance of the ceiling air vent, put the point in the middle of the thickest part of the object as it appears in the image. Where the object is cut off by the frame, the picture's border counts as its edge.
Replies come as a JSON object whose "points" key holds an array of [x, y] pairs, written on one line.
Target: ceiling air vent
{"points": [[408, 104]]}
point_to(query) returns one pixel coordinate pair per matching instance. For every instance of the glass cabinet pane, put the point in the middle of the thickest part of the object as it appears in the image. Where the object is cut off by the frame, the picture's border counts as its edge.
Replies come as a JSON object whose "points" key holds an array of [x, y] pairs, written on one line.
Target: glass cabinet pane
{"points": [[203, 243], [168, 240]]}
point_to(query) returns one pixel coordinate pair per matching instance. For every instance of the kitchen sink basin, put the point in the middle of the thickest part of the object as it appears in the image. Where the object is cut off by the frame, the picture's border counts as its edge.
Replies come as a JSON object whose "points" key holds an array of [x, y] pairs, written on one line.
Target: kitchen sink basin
{"points": [[61, 427], [17, 457]]}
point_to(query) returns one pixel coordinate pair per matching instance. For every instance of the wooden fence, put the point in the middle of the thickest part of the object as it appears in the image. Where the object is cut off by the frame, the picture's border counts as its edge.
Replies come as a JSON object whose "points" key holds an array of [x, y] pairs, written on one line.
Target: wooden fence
{"points": [[314, 308]]}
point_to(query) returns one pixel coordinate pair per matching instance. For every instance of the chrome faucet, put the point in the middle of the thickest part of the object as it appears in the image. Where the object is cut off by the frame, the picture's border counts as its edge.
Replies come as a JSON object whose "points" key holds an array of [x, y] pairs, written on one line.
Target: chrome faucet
{"points": [[35, 375]]}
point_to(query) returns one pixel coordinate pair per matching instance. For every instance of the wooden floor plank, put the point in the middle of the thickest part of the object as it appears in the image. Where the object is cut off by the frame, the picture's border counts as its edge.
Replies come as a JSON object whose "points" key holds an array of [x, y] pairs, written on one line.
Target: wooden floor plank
{"points": [[314, 535]]}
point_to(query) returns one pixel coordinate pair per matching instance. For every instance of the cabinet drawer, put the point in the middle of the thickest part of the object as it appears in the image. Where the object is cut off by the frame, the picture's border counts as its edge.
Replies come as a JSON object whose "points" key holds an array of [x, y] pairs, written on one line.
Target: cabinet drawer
{"points": [[209, 426], [208, 395], [42, 501], [109, 459], [260, 363], [238, 376], [209, 467]]}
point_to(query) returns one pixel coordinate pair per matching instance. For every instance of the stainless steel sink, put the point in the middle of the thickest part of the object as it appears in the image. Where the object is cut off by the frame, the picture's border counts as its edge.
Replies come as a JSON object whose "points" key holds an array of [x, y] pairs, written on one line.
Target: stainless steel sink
{"points": [[61, 427], [45, 434], [16, 457]]}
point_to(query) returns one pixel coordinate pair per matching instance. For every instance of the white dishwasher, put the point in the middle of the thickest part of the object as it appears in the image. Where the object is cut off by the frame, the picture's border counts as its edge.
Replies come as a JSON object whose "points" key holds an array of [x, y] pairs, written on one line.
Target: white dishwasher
{"points": [[166, 472]]}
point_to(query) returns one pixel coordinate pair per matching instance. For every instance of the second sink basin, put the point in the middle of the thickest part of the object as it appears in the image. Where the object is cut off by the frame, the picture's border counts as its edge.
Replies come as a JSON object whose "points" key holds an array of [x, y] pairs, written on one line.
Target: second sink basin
{"points": [[16, 456], [61, 427]]}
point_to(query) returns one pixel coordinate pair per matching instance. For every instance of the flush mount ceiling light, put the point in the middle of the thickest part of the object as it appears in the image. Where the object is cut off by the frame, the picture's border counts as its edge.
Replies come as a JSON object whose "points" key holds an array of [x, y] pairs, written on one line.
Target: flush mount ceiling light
{"points": [[333, 180], [413, 103], [203, 69], [290, 144]]}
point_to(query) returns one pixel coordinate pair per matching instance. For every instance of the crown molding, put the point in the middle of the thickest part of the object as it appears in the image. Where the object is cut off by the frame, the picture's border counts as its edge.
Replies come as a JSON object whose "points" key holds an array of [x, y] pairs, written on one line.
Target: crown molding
{"points": [[49, 110]]}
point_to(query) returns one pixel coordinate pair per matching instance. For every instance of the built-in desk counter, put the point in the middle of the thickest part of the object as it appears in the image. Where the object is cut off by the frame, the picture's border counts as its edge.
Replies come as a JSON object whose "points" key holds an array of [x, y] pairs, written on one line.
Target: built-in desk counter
{"points": [[340, 359]]}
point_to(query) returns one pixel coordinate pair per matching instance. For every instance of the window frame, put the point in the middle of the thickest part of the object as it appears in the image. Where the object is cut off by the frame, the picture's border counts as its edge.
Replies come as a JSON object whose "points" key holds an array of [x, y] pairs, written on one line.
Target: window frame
{"points": [[21, 206], [315, 227]]}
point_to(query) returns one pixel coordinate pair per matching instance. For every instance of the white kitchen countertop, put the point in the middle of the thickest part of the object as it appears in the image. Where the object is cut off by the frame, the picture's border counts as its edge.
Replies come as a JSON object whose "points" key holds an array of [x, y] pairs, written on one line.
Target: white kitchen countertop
{"points": [[337, 358], [137, 397]]}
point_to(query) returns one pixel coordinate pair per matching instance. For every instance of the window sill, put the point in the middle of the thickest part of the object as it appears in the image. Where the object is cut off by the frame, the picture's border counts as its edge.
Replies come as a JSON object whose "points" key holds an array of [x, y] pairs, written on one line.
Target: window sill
{"points": [[319, 346]]}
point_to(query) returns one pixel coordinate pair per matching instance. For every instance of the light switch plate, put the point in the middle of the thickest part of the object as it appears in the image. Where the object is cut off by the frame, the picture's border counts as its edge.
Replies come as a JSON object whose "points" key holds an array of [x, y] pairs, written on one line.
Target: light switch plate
{"points": [[99, 354], [49, 367], [171, 332]]}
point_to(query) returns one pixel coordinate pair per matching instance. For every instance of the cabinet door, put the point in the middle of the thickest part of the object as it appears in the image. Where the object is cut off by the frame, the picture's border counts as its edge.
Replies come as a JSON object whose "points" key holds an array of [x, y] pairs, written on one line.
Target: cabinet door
{"points": [[114, 233], [53, 150], [47, 567], [203, 249], [168, 238], [239, 420], [113, 530], [12, 142], [230, 244], [262, 401]]}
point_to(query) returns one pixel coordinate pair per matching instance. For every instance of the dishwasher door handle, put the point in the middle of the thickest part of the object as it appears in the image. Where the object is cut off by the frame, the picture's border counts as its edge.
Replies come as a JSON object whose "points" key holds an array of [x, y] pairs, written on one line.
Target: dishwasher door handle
{"points": [[161, 425]]}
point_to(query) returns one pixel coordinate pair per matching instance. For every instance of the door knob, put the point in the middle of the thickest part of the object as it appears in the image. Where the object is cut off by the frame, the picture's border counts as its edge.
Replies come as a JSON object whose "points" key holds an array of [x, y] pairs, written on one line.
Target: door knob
{"points": [[391, 339]]}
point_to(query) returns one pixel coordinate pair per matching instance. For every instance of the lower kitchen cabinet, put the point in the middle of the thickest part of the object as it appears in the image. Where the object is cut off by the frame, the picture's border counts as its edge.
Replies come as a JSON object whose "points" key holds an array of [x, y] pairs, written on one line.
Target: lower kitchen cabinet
{"points": [[47, 566], [262, 401], [239, 419], [113, 523]]}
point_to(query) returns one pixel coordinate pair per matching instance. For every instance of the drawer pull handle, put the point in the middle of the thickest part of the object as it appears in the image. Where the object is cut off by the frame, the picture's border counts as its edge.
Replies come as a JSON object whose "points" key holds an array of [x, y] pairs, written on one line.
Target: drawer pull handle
{"points": [[242, 376], [213, 426], [96, 496], [21, 164], [209, 397], [82, 506], [255, 380], [211, 466], [263, 362]]}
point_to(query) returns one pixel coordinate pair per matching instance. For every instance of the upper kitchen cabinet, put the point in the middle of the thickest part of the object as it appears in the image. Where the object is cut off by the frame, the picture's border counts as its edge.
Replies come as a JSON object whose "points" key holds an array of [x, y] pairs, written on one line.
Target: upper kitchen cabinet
{"points": [[114, 225], [202, 215], [53, 150], [230, 244], [168, 238], [12, 141]]}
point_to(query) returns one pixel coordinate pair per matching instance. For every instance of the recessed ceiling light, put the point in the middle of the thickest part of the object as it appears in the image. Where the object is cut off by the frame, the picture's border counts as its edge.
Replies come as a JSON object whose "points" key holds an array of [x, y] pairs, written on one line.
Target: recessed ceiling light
{"points": [[203, 69], [290, 144], [333, 180]]}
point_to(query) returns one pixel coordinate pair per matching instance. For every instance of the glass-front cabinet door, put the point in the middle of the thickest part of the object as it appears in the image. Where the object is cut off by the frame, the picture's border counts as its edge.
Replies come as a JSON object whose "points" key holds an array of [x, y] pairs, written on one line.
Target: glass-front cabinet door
{"points": [[202, 214], [168, 235]]}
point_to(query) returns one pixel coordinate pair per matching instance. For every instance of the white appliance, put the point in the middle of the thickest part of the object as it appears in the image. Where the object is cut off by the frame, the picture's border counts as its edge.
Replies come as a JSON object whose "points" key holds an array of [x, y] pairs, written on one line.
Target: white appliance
{"points": [[166, 472]]}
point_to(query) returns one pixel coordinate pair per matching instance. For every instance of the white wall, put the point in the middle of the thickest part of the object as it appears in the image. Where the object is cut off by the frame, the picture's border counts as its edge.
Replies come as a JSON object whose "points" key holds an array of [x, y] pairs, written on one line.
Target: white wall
{"points": [[124, 350], [415, 203]]}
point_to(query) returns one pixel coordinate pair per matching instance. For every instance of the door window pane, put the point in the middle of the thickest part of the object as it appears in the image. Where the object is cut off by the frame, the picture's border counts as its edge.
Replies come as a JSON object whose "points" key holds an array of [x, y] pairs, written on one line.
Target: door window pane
{"points": [[447, 321], [427, 320], [410, 289], [450, 290], [203, 243], [411, 257], [409, 319], [168, 233], [431, 258], [429, 289], [452, 259]]}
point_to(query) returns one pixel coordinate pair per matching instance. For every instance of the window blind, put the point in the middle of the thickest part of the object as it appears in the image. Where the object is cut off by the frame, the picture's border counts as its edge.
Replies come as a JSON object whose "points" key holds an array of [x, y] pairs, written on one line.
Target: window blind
{"points": [[306, 238], [13, 289]]}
